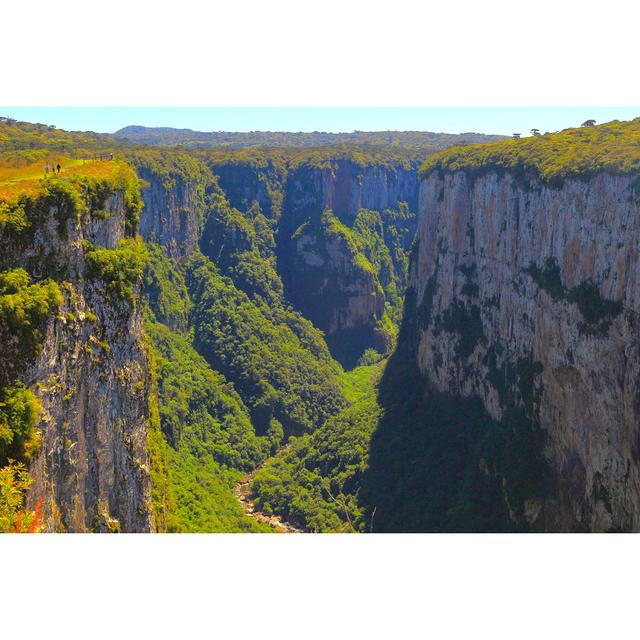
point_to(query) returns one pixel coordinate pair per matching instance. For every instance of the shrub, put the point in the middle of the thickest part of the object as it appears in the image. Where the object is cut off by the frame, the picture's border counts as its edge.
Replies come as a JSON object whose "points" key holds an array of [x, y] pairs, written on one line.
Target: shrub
{"points": [[120, 268], [23, 307], [369, 357], [14, 483], [19, 411]]}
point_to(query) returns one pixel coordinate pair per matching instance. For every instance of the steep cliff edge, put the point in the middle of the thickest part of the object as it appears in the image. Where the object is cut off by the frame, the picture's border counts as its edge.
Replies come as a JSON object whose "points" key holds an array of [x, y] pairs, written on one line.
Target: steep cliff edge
{"points": [[328, 269], [174, 193], [250, 176], [522, 307], [82, 355]]}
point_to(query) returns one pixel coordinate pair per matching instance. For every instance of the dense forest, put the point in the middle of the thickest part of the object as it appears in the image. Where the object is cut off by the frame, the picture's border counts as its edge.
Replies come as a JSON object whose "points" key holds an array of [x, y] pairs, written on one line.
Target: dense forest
{"points": [[423, 141]]}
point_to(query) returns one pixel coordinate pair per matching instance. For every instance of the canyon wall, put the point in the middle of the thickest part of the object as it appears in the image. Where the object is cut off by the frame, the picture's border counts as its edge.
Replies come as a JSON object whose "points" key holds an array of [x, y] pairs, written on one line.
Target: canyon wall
{"points": [[247, 182], [324, 271], [526, 297], [89, 371], [345, 187], [175, 190]]}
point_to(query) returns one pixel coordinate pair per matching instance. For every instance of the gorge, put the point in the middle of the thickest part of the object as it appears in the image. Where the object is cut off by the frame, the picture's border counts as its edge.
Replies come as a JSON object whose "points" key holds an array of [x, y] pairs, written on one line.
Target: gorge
{"points": [[434, 335]]}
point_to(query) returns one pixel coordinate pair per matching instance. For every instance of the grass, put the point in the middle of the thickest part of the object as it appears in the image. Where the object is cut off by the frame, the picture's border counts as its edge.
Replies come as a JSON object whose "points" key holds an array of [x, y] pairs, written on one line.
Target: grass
{"points": [[29, 179], [613, 147]]}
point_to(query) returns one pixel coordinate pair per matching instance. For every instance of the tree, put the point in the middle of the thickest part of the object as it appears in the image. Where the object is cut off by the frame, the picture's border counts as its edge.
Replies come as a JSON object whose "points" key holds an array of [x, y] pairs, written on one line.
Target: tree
{"points": [[588, 123], [14, 483], [535, 132], [516, 136]]}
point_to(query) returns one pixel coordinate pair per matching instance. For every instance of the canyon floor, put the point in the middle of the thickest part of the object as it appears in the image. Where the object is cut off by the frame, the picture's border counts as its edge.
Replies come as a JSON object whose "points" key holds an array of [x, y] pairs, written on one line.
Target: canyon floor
{"points": [[242, 492]]}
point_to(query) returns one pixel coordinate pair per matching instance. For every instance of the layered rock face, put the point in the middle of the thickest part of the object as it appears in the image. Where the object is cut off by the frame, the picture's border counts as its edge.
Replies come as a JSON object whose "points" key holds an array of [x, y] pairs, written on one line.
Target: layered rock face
{"points": [[336, 288], [92, 377], [171, 215], [246, 183], [527, 295], [322, 273], [345, 188]]}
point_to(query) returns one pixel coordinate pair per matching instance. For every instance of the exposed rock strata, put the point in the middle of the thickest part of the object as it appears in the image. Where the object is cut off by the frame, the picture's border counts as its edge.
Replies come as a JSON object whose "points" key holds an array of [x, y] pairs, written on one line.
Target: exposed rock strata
{"points": [[92, 377], [511, 270], [321, 275]]}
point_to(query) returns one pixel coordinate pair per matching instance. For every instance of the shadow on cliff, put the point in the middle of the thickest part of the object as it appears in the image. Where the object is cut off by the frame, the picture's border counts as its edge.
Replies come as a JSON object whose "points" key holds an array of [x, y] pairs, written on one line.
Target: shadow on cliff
{"points": [[439, 463]]}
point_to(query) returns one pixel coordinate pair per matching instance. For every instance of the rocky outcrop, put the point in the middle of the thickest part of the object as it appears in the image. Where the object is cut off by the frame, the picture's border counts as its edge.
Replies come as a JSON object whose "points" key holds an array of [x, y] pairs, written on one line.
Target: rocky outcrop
{"points": [[173, 211], [345, 187], [325, 275], [92, 377], [527, 296], [337, 288]]}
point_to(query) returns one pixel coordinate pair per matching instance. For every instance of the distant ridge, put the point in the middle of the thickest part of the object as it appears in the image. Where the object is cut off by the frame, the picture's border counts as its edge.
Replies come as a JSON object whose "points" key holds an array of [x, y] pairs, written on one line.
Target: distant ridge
{"points": [[423, 140]]}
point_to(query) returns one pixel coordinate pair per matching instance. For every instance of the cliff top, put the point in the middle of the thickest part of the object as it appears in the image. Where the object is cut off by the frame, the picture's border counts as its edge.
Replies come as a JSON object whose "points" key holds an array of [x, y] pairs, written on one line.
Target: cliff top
{"points": [[613, 147], [30, 179], [324, 157]]}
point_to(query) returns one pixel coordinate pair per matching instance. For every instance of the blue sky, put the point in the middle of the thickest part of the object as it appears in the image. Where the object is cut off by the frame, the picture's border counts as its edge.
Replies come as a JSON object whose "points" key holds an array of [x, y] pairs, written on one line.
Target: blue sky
{"points": [[502, 120]]}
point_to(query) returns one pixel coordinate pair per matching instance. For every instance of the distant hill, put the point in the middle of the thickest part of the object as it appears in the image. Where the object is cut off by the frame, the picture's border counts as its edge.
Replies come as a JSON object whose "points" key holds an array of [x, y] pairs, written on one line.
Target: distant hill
{"points": [[417, 140]]}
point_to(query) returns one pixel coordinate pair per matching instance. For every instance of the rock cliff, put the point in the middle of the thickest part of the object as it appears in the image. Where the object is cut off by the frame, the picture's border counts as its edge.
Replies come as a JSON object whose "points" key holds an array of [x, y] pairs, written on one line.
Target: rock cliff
{"points": [[247, 181], [89, 368], [326, 271], [174, 193], [346, 186], [526, 297]]}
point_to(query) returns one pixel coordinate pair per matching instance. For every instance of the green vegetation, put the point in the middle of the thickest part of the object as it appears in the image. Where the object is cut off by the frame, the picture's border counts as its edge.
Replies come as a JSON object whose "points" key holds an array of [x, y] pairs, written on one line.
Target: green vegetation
{"points": [[242, 246], [25, 142], [597, 312], [315, 481], [197, 401], [277, 361], [382, 239], [206, 441], [165, 289], [30, 209], [19, 413], [201, 439], [24, 307], [14, 483], [163, 495], [417, 141], [573, 153], [120, 268]]}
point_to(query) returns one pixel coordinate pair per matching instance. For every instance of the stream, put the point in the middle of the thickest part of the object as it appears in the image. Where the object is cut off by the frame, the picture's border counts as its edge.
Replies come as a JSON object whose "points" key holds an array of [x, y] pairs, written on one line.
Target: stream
{"points": [[243, 494]]}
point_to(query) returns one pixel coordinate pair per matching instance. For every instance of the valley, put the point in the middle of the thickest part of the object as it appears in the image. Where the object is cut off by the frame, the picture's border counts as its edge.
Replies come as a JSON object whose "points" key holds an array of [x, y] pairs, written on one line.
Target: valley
{"points": [[407, 332], [243, 493]]}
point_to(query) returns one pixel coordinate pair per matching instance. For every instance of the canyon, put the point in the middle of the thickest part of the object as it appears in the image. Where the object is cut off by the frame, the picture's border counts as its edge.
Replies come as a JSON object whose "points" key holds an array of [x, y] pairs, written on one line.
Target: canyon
{"points": [[348, 339]]}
